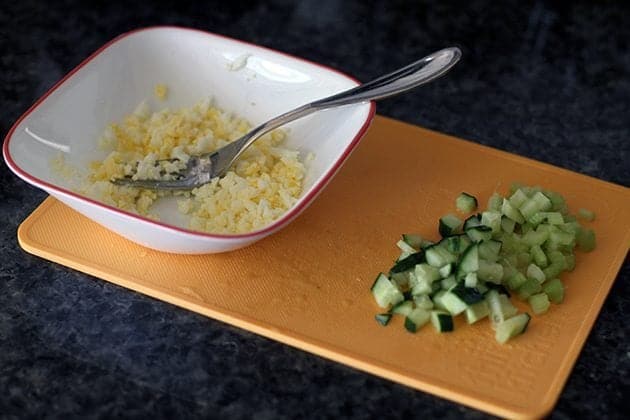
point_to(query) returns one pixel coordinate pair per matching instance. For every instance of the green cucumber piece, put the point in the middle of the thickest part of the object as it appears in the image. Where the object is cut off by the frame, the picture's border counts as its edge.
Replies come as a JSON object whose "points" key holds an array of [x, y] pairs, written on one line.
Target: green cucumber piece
{"points": [[499, 288], [477, 311], [438, 256], [448, 282], [403, 308], [489, 250], [516, 281], [518, 198], [408, 262], [383, 319], [507, 224], [528, 288], [585, 214], [539, 256], [471, 280], [539, 303], [494, 202], [416, 319], [469, 262], [425, 275], [479, 233], [406, 248], [442, 321], [453, 304], [437, 300], [512, 327], [466, 203], [511, 212], [468, 295], [554, 290], [447, 270], [456, 244], [585, 240], [472, 221], [536, 273], [492, 219], [423, 301], [385, 292], [449, 224], [413, 240], [500, 307], [490, 271], [537, 202]]}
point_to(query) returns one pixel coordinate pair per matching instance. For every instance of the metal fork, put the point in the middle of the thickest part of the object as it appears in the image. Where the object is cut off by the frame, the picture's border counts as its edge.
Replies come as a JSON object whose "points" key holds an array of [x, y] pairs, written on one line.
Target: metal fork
{"points": [[201, 169]]}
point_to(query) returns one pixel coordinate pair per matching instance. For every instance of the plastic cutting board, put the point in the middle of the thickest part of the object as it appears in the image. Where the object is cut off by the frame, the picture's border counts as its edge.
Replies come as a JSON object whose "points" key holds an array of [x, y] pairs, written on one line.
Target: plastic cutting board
{"points": [[308, 285]]}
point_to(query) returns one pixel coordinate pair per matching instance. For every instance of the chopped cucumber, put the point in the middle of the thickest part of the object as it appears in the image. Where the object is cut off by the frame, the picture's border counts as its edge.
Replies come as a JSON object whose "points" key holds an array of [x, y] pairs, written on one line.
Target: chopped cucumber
{"points": [[470, 280], [416, 319], [528, 288], [489, 250], [469, 262], [510, 211], [453, 304], [413, 240], [492, 219], [479, 233], [507, 224], [466, 203], [539, 256], [449, 225], [383, 319], [521, 243], [499, 288], [472, 221], [423, 301], [554, 290], [490, 271], [494, 202], [425, 275], [512, 327], [442, 321], [403, 308], [402, 280], [405, 247], [408, 262], [456, 244], [586, 215], [538, 202], [539, 303], [586, 240], [534, 272], [477, 311], [516, 281], [468, 295], [500, 306], [385, 292], [517, 199], [438, 256], [448, 282], [447, 270]]}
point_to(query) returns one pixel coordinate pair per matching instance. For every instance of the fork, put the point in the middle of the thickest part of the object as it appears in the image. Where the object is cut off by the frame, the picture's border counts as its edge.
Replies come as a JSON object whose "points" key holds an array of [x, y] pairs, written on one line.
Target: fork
{"points": [[201, 169]]}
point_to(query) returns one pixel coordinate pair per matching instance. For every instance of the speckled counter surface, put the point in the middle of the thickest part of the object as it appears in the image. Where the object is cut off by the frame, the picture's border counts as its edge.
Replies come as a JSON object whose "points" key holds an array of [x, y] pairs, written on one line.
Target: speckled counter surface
{"points": [[540, 80]]}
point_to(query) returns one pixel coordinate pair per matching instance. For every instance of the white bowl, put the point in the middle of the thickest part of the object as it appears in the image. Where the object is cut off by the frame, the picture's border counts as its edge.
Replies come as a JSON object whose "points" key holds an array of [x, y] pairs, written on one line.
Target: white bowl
{"points": [[251, 81]]}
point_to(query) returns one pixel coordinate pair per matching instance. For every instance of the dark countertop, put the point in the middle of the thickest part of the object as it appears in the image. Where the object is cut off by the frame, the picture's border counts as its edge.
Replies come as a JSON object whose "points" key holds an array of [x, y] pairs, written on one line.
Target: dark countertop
{"points": [[547, 81]]}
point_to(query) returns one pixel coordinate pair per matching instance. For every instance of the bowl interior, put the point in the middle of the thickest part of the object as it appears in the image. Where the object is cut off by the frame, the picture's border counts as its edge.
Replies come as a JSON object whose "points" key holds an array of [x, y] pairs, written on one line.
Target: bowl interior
{"points": [[250, 81]]}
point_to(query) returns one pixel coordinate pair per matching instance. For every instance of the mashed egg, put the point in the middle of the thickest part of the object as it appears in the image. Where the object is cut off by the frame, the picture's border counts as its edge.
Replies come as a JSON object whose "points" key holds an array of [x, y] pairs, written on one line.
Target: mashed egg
{"points": [[261, 186]]}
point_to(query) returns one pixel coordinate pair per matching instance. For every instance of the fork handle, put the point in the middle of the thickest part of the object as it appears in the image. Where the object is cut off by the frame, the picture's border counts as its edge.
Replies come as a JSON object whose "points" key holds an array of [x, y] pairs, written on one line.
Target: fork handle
{"points": [[413, 75]]}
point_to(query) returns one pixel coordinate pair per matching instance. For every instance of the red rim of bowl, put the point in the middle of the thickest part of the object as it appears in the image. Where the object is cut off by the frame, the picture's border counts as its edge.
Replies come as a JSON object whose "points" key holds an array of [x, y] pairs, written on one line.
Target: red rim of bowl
{"points": [[289, 215]]}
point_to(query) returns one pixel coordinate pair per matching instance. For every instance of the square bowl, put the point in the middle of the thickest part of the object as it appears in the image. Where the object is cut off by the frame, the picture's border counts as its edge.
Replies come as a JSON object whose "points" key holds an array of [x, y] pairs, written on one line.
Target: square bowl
{"points": [[252, 82]]}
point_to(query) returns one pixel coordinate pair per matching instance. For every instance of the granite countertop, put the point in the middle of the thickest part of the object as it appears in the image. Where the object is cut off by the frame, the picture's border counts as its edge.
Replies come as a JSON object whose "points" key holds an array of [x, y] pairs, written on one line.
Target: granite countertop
{"points": [[547, 81]]}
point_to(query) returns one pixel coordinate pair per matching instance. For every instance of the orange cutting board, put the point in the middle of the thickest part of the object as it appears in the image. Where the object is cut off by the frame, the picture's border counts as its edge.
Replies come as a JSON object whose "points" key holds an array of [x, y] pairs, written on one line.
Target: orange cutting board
{"points": [[309, 285]]}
